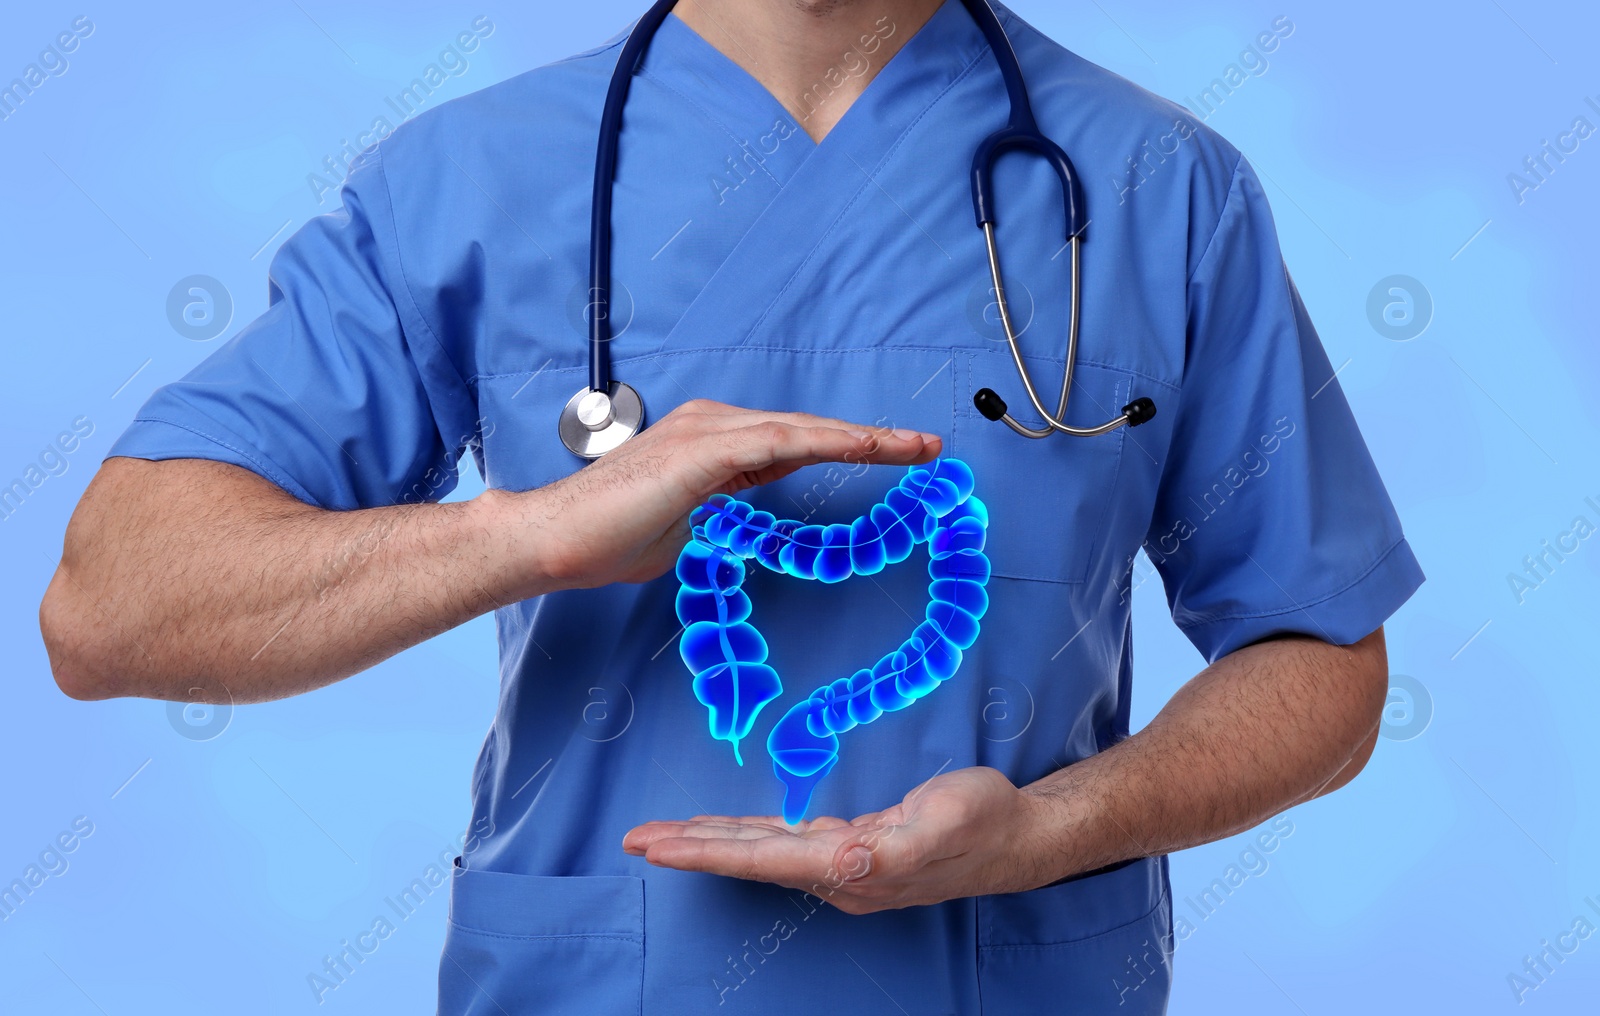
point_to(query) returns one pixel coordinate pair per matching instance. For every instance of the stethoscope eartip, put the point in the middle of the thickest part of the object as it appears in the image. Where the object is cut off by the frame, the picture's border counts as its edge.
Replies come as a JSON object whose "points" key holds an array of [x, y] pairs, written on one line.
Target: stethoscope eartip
{"points": [[1140, 410], [991, 405]]}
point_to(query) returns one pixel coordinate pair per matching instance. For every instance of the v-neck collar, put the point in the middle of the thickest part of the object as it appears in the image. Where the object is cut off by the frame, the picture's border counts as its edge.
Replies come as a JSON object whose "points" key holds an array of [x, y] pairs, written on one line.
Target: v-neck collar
{"points": [[946, 44], [820, 186], [680, 59]]}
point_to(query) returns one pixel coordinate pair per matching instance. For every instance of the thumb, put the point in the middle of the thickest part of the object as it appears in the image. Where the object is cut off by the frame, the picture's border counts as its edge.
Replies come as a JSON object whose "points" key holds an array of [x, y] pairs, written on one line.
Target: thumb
{"points": [[855, 863]]}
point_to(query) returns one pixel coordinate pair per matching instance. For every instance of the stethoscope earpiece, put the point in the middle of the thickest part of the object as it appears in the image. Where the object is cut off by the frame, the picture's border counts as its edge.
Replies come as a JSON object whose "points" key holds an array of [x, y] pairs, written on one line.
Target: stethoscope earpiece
{"points": [[1139, 411], [992, 407]]}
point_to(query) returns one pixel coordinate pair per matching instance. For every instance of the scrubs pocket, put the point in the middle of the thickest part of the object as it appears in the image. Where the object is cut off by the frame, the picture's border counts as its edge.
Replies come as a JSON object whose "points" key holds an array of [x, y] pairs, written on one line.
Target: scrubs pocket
{"points": [[1049, 500], [1101, 944], [520, 945]]}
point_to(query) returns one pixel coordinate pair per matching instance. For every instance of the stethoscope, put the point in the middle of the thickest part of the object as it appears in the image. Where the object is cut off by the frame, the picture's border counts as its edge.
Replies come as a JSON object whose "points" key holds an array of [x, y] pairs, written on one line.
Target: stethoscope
{"points": [[601, 416]]}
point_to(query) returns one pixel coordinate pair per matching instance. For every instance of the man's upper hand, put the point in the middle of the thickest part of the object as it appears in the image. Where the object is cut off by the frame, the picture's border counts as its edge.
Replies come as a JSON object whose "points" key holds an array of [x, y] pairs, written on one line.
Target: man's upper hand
{"points": [[624, 517]]}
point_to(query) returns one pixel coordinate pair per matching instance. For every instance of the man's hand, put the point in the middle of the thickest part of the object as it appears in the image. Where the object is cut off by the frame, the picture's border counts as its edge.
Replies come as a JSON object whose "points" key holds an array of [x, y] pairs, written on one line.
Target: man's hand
{"points": [[1262, 729], [624, 517], [965, 833]]}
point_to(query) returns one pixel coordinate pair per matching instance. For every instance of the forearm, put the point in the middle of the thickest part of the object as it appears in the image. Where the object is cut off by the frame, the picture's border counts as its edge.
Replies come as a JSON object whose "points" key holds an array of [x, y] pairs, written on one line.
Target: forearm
{"points": [[1262, 729], [238, 591], [196, 580]]}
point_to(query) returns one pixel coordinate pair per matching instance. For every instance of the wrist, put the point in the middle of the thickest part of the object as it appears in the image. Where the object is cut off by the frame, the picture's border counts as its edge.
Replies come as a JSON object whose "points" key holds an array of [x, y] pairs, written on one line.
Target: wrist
{"points": [[1061, 826], [516, 545]]}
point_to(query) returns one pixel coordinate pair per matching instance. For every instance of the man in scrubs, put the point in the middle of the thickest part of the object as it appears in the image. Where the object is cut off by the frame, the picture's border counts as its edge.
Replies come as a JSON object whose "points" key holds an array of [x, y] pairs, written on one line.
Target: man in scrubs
{"points": [[804, 307]]}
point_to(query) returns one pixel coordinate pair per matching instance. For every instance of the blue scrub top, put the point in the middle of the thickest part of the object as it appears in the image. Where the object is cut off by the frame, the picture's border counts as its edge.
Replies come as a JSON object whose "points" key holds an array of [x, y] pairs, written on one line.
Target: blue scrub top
{"points": [[441, 310]]}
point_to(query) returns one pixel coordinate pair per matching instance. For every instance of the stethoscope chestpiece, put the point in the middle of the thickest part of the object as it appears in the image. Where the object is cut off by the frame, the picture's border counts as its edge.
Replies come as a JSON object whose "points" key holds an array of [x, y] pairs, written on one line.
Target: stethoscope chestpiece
{"points": [[595, 422]]}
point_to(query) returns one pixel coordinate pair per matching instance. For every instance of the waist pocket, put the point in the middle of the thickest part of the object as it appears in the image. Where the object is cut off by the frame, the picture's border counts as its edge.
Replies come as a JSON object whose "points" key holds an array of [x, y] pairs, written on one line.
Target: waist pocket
{"points": [[1101, 944], [519, 945]]}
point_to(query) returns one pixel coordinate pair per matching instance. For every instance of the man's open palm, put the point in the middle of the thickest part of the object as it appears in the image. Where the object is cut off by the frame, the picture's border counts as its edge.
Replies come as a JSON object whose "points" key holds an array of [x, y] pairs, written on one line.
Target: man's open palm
{"points": [[959, 834]]}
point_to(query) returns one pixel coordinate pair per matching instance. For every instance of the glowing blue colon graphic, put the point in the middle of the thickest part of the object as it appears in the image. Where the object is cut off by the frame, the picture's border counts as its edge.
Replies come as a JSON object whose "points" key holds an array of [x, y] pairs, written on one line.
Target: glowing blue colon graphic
{"points": [[932, 504]]}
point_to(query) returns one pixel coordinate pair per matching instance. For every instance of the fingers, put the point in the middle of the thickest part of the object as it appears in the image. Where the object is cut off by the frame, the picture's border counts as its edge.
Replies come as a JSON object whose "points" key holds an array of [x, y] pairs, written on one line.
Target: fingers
{"points": [[773, 823], [749, 827], [896, 445], [793, 861], [759, 848], [639, 839], [730, 858], [774, 443], [861, 444], [827, 823], [859, 867], [951, 837], [721, 411], [838, 851]]}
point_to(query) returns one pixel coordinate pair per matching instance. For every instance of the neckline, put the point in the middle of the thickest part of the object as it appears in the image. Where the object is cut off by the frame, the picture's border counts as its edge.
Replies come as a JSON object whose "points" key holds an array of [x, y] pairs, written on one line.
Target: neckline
{"points": [[823, 181], [682, 59]]}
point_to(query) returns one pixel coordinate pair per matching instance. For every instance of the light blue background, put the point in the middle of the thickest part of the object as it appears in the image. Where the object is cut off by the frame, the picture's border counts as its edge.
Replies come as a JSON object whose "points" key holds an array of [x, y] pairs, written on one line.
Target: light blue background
{"points": [[179, 142]]}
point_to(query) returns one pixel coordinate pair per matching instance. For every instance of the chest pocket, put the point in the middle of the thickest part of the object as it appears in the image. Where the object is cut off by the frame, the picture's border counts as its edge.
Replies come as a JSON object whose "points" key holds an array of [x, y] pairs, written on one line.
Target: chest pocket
{"points": [[1052, 499], [876, 387]]}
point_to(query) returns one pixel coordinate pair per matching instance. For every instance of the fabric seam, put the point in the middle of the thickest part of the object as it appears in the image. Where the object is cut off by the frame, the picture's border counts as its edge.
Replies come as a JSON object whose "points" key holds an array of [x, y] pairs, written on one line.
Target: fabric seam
{"points": [[893, 150], [400, 264], [647, 357], [1164, 899], [269, 468], [706, 113], [616, 936], [1216, 228], [1202, 622]]}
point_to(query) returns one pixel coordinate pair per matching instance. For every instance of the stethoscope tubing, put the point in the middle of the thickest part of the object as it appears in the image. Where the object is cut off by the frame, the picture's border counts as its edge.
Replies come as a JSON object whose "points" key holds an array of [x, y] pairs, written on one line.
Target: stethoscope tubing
{"points": [[605, 175], [1021, 133]]}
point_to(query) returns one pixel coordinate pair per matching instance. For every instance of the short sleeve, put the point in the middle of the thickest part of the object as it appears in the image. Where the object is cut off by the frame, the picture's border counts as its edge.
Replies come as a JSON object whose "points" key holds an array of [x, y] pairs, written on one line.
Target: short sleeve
{"points": [[1270, 517], [338, 393]]}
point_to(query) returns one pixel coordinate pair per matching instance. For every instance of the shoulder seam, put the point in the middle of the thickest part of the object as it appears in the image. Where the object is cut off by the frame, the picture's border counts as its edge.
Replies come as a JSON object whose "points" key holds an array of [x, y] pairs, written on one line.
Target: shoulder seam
{"points": [[405, 282], [590, 54], [1233, 178]]}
